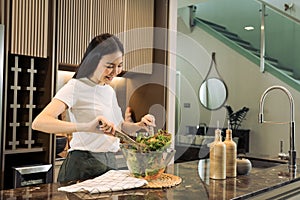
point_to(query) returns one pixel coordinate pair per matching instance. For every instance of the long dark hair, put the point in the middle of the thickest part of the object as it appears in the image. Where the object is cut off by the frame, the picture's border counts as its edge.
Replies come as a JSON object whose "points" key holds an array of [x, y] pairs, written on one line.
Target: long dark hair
{"points": [[99, 46]]}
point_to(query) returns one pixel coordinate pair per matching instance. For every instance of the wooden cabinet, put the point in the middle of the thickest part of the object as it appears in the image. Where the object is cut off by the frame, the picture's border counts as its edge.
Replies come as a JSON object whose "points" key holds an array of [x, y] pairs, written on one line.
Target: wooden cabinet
{"points": [[131, 20], [28, 86], [77, 22], [28, 90], [29, 28]]}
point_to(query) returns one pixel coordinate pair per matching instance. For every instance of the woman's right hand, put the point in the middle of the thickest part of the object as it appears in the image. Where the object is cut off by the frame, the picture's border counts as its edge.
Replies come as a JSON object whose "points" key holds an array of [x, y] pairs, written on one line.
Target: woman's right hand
{"points": [[106, 126], [98, 125]]}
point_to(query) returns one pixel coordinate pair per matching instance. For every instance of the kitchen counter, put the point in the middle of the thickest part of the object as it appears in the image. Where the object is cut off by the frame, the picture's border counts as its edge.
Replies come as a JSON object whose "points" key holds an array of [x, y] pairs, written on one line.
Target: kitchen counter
{"points": [[195, 185]]}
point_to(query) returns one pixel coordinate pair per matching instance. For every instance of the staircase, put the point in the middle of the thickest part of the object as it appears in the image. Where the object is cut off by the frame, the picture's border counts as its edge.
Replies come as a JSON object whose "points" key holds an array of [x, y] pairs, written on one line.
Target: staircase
{"points": [[246, 45]]}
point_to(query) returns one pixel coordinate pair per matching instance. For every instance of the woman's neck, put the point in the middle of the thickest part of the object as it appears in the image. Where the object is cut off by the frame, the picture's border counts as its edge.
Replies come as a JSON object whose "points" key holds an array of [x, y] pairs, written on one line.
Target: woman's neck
{"points": [[95, 81], [89, 82]]}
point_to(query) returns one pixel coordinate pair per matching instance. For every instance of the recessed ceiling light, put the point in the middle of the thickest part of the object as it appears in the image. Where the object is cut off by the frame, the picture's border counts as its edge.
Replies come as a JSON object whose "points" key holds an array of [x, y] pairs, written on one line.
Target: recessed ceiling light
{"points": [[249, 28]]}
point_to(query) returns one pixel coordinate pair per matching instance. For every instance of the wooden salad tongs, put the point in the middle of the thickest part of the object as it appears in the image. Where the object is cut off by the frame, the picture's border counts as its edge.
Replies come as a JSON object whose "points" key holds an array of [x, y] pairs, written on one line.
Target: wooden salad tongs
{"points": [[126, 139]]}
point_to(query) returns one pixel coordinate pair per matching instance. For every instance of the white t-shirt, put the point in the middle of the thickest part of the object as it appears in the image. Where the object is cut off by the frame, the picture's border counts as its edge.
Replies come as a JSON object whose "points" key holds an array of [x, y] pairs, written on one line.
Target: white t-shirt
{"points": [[85, 101]]}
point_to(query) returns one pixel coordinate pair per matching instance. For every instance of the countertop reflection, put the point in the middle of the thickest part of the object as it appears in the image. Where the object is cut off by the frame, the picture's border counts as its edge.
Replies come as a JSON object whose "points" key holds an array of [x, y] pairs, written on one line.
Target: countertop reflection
{"points": [[195, 185]]}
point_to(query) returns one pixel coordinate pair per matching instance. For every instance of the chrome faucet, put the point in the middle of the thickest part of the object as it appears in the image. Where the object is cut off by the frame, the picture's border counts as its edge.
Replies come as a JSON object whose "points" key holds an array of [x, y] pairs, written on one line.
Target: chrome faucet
{"points": [[292, 152]]}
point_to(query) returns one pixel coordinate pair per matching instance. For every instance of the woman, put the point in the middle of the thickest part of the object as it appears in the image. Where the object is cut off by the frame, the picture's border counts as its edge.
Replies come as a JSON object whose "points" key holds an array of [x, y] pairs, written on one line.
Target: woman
{"points": [[90, 99]]}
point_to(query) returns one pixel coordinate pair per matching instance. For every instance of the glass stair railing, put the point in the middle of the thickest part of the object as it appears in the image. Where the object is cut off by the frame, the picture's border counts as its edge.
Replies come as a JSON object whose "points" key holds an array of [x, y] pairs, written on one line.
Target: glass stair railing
{"points": [[247, 45], [226, 21]]}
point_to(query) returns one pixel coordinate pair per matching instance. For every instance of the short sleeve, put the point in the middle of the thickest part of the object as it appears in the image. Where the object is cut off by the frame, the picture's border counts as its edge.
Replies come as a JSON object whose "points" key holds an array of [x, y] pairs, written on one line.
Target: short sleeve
{"points": [[66, 93]]}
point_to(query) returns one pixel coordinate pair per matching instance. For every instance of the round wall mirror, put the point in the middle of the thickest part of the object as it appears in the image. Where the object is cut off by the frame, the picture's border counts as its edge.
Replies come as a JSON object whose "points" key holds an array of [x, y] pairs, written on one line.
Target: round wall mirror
{"points": [[213, 93]]}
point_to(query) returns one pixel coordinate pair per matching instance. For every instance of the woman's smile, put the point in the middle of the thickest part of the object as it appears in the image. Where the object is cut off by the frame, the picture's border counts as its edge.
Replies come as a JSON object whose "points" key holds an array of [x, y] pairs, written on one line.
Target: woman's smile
{"points": [[109, 67]]}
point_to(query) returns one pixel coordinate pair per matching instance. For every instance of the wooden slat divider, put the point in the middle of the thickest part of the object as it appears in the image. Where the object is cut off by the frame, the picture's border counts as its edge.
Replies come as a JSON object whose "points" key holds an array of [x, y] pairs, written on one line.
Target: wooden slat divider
{"points": [[139, 36], [26, 18], [29, 28], [99, 16]]}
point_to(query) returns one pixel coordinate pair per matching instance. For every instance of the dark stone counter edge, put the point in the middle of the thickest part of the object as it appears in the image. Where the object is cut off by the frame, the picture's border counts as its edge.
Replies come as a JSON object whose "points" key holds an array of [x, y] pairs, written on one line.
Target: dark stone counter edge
{"points": [[267, 189]]}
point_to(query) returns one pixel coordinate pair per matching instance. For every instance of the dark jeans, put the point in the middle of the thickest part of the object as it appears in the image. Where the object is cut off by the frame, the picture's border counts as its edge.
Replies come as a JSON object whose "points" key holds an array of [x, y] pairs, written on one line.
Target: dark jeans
{"points": [[82, 165]]}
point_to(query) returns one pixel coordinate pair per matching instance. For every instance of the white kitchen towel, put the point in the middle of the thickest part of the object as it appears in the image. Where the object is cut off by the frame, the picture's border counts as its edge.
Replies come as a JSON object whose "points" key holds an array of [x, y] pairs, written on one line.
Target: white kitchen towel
{"points": [[113, 180]]}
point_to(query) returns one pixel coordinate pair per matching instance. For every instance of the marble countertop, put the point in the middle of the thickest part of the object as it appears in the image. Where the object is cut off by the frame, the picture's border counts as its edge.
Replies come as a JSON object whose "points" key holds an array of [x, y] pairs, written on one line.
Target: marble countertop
{"points": [[195, 185]]}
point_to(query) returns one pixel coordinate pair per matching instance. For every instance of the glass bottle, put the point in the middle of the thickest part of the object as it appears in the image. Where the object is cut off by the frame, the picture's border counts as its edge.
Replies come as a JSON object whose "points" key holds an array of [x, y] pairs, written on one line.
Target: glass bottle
{"points": [[231, 154], [217, 157]]}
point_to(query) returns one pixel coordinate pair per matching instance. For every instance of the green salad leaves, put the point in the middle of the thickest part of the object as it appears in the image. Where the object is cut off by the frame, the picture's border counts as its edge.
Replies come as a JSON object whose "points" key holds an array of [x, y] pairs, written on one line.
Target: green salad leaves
{"points": [[158, 142]]}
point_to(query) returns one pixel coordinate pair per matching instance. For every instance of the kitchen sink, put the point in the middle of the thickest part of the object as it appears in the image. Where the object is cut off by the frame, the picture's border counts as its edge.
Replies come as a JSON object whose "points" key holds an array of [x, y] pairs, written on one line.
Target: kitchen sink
{"points": [[256, 163], [264, 161], [289, 192]]}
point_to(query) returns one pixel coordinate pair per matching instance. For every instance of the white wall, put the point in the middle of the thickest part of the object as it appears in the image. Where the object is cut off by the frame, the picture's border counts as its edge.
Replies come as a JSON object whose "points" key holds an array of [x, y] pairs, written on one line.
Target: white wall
{"points": [[245, 85]]}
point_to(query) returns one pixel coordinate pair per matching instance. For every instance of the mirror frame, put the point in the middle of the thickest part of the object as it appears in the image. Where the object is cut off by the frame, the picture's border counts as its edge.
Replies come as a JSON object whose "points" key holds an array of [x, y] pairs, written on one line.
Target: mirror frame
{"points": [[222, 86]]}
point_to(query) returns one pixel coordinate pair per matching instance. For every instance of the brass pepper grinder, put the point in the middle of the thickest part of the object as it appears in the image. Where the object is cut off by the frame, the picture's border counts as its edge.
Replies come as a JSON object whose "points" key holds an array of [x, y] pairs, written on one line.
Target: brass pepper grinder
{"points": [[217, 157], [231, 153]]}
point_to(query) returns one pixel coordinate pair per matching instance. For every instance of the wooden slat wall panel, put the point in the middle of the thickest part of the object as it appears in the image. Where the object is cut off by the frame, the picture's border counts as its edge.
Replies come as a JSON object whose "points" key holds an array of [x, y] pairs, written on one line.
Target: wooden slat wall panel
{"points": [[80, 20], [29, 28], [139, 35], [73, 29], [108, 16]]}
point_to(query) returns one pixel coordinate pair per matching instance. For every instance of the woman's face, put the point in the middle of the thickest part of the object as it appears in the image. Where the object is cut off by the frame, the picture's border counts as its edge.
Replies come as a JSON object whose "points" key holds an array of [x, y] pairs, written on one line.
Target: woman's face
{"points": [[109, 67]]}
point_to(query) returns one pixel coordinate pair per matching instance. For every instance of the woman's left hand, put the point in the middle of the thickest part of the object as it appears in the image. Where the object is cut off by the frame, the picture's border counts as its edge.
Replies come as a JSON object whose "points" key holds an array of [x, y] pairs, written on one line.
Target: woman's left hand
{"points": [[146, 121]]}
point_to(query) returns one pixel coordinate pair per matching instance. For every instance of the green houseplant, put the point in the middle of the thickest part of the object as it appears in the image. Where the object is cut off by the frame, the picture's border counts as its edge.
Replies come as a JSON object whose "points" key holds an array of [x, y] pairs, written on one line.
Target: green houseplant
{"points": [[236, 118]]}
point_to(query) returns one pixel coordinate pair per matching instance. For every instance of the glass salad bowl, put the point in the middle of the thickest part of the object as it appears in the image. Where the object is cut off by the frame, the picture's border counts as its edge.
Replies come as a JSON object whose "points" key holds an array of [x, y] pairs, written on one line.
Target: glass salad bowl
{"points": [[147, 165]]}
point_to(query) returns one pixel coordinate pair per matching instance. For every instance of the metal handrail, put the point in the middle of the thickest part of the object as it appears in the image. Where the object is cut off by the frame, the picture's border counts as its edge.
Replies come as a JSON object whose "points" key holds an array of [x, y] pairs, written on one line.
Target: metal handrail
{"points": [[262, 31], [280, 11], [262, 38]]}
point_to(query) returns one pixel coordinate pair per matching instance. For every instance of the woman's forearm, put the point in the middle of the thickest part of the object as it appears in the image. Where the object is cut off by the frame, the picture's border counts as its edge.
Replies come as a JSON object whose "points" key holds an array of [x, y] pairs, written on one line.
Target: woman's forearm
{"points": [[49, 124], [47, 121]]}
